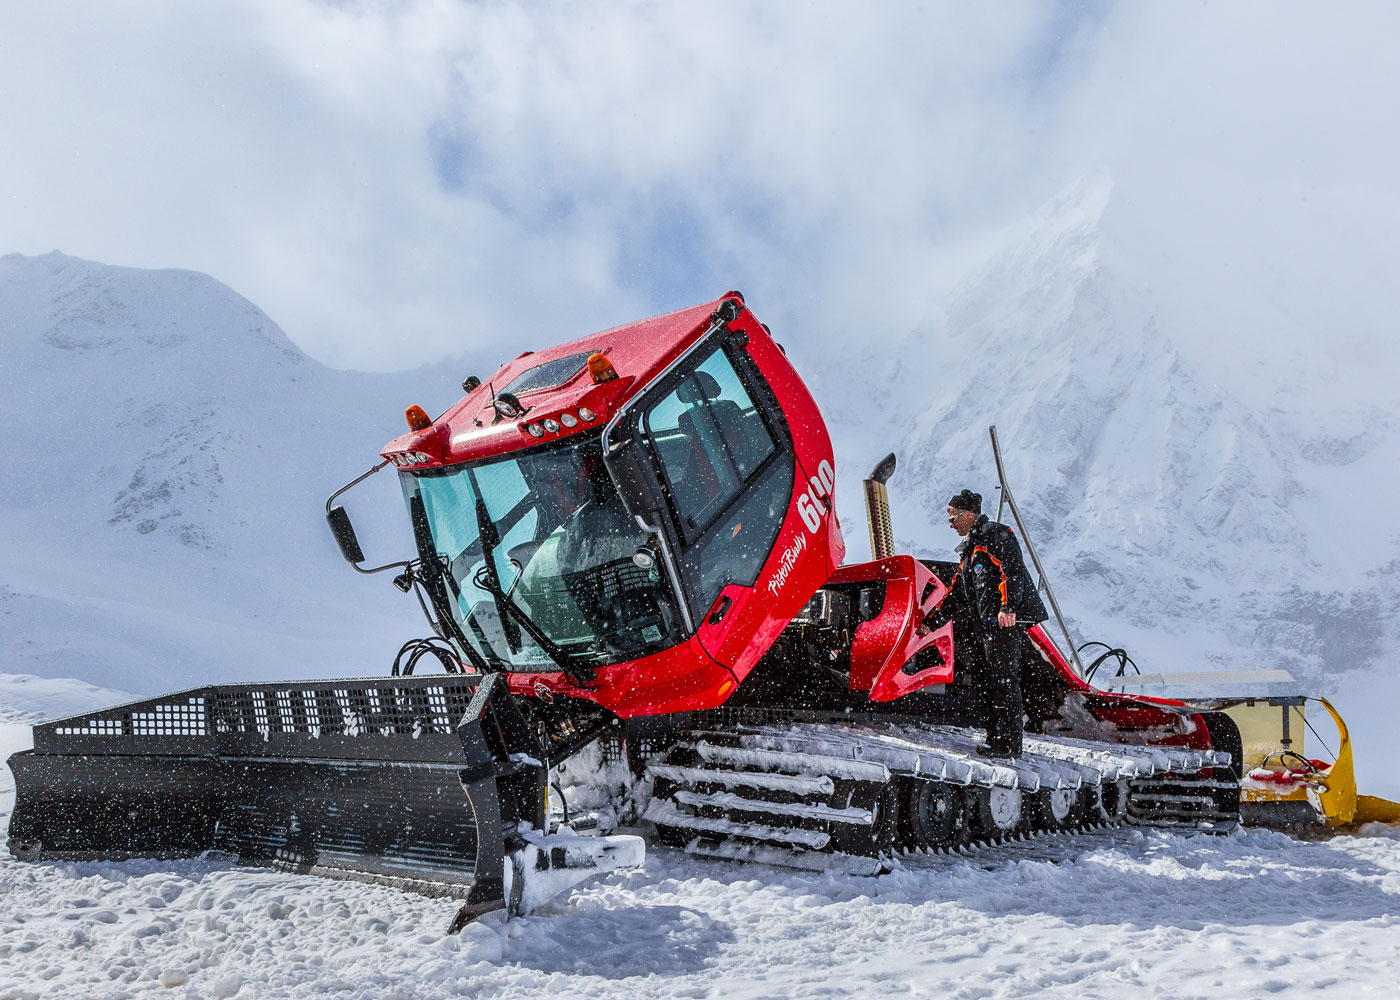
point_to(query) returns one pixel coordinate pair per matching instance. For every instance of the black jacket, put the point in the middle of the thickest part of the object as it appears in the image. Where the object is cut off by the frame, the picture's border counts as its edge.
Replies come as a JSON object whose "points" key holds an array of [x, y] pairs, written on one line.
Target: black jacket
{"points": [[992, 576]]}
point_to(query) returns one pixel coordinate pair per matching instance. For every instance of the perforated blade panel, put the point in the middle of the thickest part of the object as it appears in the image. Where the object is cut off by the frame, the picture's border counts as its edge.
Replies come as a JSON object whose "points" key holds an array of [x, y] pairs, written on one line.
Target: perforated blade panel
{"points": [[383, 780]]}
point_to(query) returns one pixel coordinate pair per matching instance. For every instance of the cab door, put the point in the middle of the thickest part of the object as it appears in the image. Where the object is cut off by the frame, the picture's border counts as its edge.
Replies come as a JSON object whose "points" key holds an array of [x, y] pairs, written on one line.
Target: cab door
{"points": [[704, 460]]}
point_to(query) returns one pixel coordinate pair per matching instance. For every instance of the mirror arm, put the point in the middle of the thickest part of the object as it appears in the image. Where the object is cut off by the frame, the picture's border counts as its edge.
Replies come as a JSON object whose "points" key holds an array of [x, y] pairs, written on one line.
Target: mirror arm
{"points": [[330, 501]]}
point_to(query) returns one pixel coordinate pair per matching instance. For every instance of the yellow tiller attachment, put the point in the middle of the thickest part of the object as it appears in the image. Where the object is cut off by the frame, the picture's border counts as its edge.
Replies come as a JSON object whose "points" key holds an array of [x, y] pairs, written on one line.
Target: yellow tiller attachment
{"points": [[1331, 791]]}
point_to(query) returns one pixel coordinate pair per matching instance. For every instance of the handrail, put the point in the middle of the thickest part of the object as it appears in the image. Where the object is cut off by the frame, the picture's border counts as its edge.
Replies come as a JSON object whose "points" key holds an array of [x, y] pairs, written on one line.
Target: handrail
{"points": [[1030, 549]]}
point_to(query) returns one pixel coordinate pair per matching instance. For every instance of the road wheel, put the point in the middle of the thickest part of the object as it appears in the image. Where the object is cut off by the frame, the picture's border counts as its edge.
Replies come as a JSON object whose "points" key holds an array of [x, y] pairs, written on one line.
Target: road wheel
{"points": [[1059, 808], [878, 837], [933, 815], [998, 811]]}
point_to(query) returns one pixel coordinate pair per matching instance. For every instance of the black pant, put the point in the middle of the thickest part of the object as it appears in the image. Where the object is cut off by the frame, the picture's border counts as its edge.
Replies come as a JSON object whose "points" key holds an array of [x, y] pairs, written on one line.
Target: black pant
{"points": [[1003, 687]]}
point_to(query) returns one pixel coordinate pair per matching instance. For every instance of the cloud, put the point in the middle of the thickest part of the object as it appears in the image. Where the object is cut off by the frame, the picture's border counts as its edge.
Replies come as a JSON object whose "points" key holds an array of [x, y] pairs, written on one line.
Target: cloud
{"points": [[401, 181], [1254, 173]]}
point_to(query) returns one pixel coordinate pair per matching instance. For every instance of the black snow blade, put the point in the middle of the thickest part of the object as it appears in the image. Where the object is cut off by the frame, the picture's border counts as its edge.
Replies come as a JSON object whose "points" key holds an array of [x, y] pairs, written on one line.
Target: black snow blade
{"points": [[422, 783]]}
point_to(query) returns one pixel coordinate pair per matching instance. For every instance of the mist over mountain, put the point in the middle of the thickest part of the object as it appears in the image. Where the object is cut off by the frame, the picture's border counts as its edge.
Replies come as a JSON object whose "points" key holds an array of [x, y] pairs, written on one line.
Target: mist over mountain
{"points": [[163, 474], [1175, 515]]}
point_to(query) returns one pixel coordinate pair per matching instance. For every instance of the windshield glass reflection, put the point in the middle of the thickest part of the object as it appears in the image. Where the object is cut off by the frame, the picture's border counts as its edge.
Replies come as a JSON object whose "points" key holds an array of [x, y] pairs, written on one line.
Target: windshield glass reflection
{"points": [[565, 557]]}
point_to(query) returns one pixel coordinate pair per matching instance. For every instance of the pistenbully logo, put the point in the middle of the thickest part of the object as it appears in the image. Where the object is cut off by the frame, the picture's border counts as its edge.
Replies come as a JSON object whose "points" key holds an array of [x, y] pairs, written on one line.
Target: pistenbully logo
{"points": [[788, 561]]}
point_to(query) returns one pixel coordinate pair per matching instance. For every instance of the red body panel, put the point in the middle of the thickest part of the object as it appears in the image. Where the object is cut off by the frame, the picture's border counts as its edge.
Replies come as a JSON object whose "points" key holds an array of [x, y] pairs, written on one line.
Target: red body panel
{"points": [[882, 646], [1130, 713], [638, 352], [681, 679]]}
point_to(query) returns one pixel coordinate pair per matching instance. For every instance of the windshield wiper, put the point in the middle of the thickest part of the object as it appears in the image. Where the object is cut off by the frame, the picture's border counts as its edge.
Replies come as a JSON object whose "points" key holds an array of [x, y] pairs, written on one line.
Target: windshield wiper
{"points": [[486, 532], [433, 583], [506, 608]]}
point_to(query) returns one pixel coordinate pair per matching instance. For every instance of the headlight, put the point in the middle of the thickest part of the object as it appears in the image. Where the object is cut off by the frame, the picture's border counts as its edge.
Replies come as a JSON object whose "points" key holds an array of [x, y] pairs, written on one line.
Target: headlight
{"points": [[585, 414], [568, 420], [550, 426], [535, 430]]}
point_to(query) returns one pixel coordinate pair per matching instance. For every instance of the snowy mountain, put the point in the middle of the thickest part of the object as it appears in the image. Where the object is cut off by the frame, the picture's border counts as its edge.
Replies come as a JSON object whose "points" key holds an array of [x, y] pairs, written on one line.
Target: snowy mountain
{"points": [[166, 460], [1175, 515], [169, 451]]}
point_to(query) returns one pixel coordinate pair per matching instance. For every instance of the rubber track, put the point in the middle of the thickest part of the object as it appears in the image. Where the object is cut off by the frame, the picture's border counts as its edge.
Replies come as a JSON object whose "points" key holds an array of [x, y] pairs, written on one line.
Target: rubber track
{"points": [[815, 795]]}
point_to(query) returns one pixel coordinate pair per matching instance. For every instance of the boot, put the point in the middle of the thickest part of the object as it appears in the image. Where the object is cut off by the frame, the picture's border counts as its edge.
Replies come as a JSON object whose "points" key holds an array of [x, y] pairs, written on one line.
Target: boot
{"points": [[989, 751]]}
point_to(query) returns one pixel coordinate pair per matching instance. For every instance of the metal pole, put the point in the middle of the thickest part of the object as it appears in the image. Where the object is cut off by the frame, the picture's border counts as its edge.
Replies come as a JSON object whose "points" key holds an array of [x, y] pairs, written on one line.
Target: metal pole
{"points": [[1030, 550]]}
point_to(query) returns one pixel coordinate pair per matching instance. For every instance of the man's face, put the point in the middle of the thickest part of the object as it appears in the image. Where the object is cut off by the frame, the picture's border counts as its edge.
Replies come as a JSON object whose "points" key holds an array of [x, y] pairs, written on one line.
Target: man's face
{"points": [[961, 521]]}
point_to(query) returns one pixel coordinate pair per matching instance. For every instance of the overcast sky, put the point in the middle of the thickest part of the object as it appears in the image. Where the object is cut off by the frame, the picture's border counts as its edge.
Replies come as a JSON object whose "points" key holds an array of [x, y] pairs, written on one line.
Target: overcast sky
{"points": [[402, 181]]}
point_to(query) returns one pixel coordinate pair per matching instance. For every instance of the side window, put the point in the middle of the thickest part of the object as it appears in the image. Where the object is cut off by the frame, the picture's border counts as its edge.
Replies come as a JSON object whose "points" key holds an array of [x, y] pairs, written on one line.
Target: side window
{"points": [[729, 482], [710, 439]]}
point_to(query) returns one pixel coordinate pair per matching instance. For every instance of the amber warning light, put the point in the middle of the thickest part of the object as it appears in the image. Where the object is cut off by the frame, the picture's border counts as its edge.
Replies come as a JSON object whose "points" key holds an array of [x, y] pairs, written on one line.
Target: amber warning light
{"points": [[417, 418], [601, 369]]}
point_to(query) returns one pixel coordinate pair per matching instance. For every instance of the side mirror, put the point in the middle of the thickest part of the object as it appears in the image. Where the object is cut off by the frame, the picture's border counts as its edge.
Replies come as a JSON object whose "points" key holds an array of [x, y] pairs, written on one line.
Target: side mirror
{"points": [[344, 533]]}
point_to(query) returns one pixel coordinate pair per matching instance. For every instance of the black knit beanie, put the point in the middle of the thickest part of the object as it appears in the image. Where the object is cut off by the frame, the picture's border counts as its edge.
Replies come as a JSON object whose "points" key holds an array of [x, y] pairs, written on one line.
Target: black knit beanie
{"points": [[967, 500]]}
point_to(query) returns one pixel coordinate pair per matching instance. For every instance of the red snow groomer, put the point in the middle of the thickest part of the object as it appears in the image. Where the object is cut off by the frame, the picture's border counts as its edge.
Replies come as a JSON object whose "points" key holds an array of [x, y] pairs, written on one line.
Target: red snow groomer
{"points": [[627, 536]]}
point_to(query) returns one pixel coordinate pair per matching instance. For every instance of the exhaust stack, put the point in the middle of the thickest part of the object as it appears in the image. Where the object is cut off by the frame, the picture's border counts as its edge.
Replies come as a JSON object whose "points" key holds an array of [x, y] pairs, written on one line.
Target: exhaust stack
{"points": [[877, 509]]}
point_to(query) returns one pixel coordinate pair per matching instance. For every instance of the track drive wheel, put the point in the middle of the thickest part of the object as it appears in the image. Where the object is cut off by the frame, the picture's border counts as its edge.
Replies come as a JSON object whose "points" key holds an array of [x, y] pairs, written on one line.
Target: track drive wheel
{"points": [[932, 816], [877, 838], [998, 811], [1109, 801]]}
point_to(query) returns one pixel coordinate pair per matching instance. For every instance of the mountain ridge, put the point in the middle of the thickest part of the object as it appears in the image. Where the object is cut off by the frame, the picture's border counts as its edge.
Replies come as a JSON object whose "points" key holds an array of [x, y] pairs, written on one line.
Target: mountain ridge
{"points": [[169, 455], [1164, 505]]}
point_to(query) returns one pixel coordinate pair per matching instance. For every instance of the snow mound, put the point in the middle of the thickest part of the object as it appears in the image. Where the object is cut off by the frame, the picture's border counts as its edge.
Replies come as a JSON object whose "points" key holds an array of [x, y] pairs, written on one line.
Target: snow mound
{"points": [[26, 699]]}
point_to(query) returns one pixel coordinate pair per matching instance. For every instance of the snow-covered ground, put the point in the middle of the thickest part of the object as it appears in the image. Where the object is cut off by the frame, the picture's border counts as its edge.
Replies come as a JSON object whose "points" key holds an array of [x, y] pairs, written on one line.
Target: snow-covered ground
{"points": [[1088, 915], [1112, 914]]}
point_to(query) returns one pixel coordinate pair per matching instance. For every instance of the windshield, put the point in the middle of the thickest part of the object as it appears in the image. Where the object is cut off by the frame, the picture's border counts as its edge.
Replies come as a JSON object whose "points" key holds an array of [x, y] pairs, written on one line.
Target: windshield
{"points": [[564, 558]]}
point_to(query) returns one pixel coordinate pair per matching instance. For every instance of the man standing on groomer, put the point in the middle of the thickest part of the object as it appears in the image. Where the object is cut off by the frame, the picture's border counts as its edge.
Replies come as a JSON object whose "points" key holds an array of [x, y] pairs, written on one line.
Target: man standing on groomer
{"points": [[1002, 602]]}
